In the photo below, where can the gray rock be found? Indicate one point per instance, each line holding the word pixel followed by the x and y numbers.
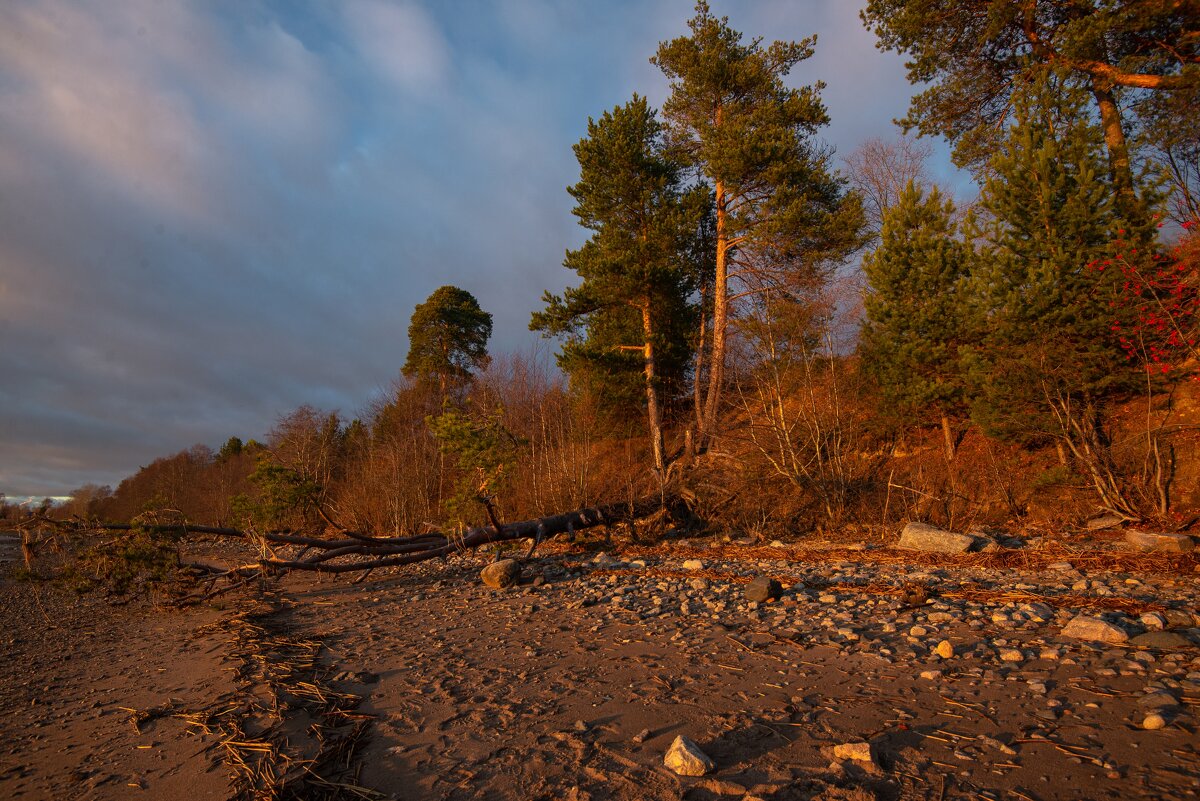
pixel 923 537
pixel 1101 523
pixel 1161 639
pixel 763 589
pixel 1086 627
pixel 685 758
pixel 501 575
pixel 1148 541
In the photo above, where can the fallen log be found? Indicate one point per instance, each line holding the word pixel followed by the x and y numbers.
pixel 348 552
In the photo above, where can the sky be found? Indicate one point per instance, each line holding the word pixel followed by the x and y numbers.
pixel 214 212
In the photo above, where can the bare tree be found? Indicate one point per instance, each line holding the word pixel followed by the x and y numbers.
pixel 880 169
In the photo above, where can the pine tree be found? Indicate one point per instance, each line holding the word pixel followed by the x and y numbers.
pixel 780 211
pixel 447 338
pixel 636 272
pixel 914 309
pixel 1045 359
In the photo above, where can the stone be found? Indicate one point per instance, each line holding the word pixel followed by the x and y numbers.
pixel 642 736
pixel 1086 627
pixel 944 649
pixel 1154 721
pixel 1011 655
pixel 686 759
pixel 1178 618
pixel 923 537
pixel 763 589
pixel 1160 639
pixel 502 574
pixel 931 675
pixel 1101 523
pixel 693 564
pixel 859 752
pixel 1168 542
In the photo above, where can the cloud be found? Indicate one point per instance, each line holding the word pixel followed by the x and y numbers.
pixel 211 214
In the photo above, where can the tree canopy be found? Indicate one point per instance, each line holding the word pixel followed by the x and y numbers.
pixel 780 210
pixel 448 337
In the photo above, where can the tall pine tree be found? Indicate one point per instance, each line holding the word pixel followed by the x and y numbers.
pixel 780 211
pixel 637 271
pixel 914 310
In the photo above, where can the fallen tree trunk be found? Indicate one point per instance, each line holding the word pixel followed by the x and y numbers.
pixel 351 551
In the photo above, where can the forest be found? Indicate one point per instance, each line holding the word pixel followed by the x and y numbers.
pixel 796 340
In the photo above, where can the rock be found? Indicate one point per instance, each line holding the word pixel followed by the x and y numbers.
pixel 642 736
pixel 1101 523
pixel 1157 700
pixel 931 675
pixel 1011 655
pixel 693 564
pixel 763 589
pixel 1178 618
pixel 1155 720
pixel 923 537
pixel 944 649
pixel 1086 627
pixel 685 758
pixel 859 752
pixel 1063 566
pixel 722 787
pixel 1153 621
pixel 501 575
pixel 1161 639
pixel 1148 541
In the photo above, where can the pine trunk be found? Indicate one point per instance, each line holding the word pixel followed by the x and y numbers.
pixel 720 317
pixel 652 410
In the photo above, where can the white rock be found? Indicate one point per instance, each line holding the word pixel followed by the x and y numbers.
pixel 693 564
pixel 1011 655
pixel 685 758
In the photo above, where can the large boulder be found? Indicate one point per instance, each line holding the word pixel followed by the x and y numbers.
pixel 685 758
pixel 763 589
pixel 924 537
pixel 502 574
pixel 1086 627
pixel 1152 541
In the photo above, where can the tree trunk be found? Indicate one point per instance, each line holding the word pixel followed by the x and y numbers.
pixel 1119 167
pixel 948 436
pixel 720 317
pixel 652 410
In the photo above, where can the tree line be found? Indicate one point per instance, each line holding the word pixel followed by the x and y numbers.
pixel 702 340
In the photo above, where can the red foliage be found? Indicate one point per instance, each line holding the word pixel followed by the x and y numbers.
pixel 1157 308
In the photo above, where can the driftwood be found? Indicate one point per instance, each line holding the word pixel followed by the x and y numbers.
pixel 352 551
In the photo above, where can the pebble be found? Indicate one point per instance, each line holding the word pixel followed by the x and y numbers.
pixel 944 649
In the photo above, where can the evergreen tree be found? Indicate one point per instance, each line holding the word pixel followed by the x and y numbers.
pixel 636 272
pixel 914 309
pixel 780 212
pixel 1045 359
pixel 971 55
pixel 447 338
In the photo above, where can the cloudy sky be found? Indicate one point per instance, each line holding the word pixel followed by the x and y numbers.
pixel 213 212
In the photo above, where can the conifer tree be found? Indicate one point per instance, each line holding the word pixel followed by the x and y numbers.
pixel 914 309
pixel 780 211
pixel 1045 359
pixel 636 271
pixel 447 338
